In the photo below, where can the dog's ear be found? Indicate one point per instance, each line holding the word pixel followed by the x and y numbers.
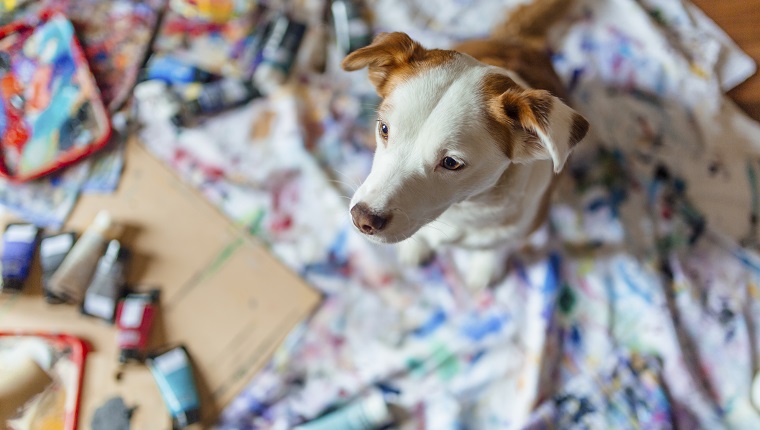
pixel 550 128
pixel 388 53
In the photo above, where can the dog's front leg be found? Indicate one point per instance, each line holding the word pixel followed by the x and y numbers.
pixel 486 266
pixel 415 251
pixel 420 248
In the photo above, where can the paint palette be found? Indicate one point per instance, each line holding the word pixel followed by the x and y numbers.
pixel 51 113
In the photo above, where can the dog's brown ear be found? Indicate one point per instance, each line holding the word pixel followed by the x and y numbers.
pixel 549 128
pixel 387 54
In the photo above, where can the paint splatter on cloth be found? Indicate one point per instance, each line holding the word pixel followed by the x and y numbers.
pixel 637 308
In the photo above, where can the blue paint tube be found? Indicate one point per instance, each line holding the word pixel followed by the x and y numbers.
pixel 19 244
pixel 173 71
pixel 369 413
pixel 53 249
pixel 174 374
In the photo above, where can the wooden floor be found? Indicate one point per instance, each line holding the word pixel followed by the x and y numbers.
pixel 741 20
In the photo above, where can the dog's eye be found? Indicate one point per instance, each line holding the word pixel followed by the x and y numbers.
pixel 383 127
pixel 451 164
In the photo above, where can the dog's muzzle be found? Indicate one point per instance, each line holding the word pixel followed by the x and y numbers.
pixel 367 221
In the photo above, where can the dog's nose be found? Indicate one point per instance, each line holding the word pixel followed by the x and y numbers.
pixel 367 221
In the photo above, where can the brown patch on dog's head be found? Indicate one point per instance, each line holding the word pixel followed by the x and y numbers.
pixel 393 58
pixel 531 124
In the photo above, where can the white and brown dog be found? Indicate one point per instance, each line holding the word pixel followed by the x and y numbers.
pixel 469 142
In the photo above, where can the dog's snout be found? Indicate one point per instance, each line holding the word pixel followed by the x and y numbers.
pixel 367 221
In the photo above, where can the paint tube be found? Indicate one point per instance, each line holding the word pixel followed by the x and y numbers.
pixel 70 281
pixel 107 284
pixel 258 39
pixel 134 318
pixel 214 97
pixel 173 71
pixel 173 372
pixel 53 249
pixel 278 53
pixel 19 244
pixel 369 413
pixel 352 30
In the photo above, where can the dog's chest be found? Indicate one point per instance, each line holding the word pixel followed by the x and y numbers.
pixel 506 212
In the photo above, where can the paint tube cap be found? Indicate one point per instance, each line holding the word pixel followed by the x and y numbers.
pixel 126 355
pixel 102 222
pixel 104 225
pixel 186 418
pixel 12 285
pixel 376 410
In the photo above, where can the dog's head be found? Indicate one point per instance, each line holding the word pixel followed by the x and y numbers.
pixel 447 129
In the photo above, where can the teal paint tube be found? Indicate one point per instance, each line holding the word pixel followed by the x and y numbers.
pixel 368 413
pixel 174 374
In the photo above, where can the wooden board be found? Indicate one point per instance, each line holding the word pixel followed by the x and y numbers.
pixel 223 294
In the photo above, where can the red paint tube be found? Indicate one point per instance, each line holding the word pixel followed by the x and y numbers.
pixel 134 318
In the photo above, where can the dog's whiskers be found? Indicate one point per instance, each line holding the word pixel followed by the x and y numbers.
pixel 350 185
pixel 346 184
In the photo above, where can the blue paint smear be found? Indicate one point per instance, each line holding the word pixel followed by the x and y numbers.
pixel 386 388
pixel 575 336
pixel 596 204
pixel 575 78
pixel 478 328
pixel 477 356
pixel 431 325
pixel 3 122
pixel 337 259
pixel 552 281
pixel 632 286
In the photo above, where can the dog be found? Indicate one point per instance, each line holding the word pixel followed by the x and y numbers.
pixel 469 141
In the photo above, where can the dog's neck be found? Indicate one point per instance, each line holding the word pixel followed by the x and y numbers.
pixel 518 193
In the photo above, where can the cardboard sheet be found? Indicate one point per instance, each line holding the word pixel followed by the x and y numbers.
pixel 223 295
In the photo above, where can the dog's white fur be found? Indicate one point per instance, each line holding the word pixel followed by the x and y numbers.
pixel 492 201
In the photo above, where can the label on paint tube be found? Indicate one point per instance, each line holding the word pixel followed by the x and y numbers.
pixel 100 306
pixel 132 313
pixel 23 233
pixel 56 245
pixel 128 337
pixel 171 361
